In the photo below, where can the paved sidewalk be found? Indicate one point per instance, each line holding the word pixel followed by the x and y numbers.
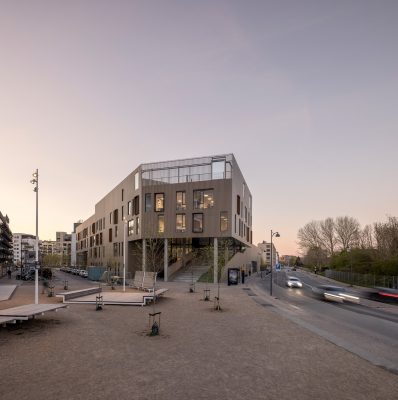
pixel 6 291
pixel 245 351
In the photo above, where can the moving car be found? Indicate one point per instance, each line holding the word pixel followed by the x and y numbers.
pixel 336 294
pixel 293 282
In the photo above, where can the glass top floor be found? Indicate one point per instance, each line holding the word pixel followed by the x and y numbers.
pixel 187 170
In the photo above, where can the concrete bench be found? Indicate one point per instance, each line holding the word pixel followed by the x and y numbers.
pixel 73 294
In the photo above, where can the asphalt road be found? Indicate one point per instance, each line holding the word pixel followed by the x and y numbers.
pixel 369 330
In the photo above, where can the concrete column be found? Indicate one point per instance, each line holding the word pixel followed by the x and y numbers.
pixel 144 254
pixel 215 260
pixel 166 260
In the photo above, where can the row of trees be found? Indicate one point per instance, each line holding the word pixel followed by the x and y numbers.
pixel 341 243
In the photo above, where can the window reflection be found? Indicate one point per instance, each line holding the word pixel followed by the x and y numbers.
pixel 159 202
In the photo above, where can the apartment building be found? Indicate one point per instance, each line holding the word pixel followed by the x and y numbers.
pixel 5 242
pixel 186 204
pixel 265 248
pixel 24 248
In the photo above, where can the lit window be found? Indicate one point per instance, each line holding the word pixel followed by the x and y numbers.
pixel 197 223
pixel 224 221
pixel 159 202
pixel 203 199
pixel 180 201
pixel 160 223
pixel 129 210
pixel 130 226
pixel 180 223
pixel 138 225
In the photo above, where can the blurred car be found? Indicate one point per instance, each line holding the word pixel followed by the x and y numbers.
pixel 385 295
pixel 293 282
pixel 336 294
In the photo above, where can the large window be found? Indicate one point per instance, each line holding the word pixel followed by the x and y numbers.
pixel 160 223
pixel 148 202
pixel 180 201
pixel 197 223
pixel 180 223
pixel 203 199
pixel 224 221
pixel 159 202
pixel 130 226
pixel 136 181
pixel 218 169
pixel 129 209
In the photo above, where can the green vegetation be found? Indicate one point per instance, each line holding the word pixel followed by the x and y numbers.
pixel 340 244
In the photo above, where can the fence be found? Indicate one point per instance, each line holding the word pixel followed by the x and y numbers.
pixel 368 280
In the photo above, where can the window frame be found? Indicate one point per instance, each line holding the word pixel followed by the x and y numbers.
pixel 193 223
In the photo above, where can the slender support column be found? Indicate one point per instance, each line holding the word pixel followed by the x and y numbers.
pixel 144 254
pixel 166 260
pixel 215 260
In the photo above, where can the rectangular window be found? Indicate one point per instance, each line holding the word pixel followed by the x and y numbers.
pixel 122 194
pixel 197 223
pixel 103 223
pixel 110 235
pixel 148 202
pixel 223 221
pixel 203 199
pixel 130 226
pixel 116 216
pixel 136 205
pixel 180 201
pixel 129 210
pixel 115 249
pixel 122 212
pixel 138 225
pixel 159 202
pixel 116 231
pixel 238 204
pixel 180 223
pixel 110 217
pixel 136 181
pixel 245 214
pixel 218 169
pixel 160 223
pixel 235 223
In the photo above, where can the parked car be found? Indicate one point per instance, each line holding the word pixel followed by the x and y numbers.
pixel 293 282
pixel 336 294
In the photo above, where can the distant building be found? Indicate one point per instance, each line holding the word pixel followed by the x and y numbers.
pixel 5 243
pixel 265 247
pixel 24 248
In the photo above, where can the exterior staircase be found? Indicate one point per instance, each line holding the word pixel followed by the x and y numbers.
pixel 190 273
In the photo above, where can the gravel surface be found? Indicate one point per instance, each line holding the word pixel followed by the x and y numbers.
pixel 245 351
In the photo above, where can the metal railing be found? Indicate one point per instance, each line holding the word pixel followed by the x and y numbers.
pixel 367 280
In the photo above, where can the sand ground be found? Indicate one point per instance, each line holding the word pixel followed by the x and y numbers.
pixel 246 351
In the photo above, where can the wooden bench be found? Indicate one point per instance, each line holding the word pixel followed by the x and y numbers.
pixel 138 279
pixel 150 296
pixel 73 294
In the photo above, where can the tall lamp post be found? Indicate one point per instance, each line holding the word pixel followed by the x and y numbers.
pixel 276 234
pixel 35 181
pixel 124 252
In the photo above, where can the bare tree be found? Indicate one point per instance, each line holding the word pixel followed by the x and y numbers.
pixel 310 235
pixel 386 236
pixel 366 237
pixel 347 229
pixel 328 234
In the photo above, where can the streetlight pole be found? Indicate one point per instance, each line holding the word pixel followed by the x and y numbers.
pixel 276 234
pixel 124 253
pixel 35 181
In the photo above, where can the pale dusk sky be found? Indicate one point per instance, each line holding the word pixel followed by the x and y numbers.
pixel 304 93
